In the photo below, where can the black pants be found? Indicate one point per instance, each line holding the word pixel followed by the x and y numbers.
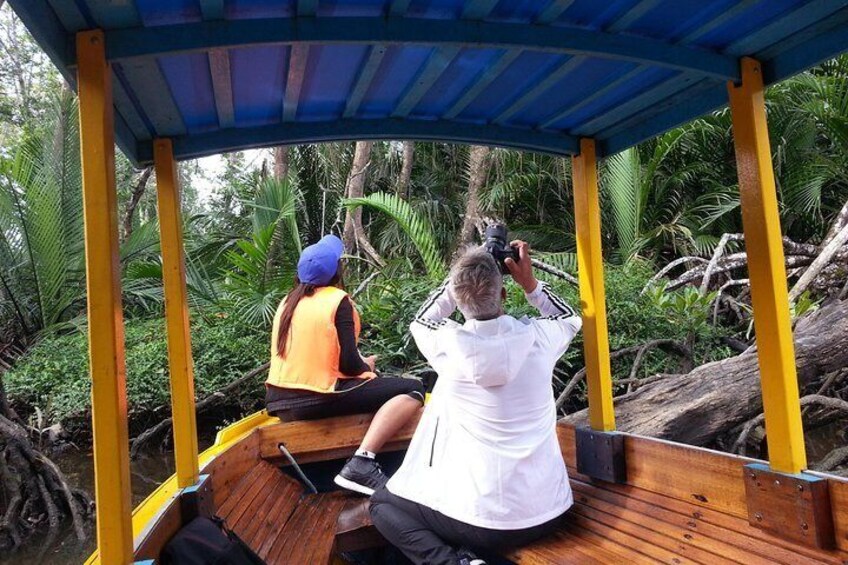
pixel 427 536
pixel 352 397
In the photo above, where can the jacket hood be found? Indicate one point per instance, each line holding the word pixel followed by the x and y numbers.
pixel 490 352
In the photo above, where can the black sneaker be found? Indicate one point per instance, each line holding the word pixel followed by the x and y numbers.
pixel 466 557
pixel 361 474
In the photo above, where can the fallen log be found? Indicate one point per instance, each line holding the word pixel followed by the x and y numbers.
pixel 706 403
pixel 161 428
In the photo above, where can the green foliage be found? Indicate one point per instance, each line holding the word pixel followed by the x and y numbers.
pixel 685 307
pixel 260 270
pixel 54 374
pixel 418 229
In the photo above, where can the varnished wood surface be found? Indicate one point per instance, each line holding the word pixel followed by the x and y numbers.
pixel 709 483
pixel 680 505
pixel 323 440
pixel 269 511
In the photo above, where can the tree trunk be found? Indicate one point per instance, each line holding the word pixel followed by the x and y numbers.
pixel 406 169
pixel 354 234
pixel 838 223
pixel 478 169
pixel 715 398
pixel 137 193
pixel 281 162
pixel 828 252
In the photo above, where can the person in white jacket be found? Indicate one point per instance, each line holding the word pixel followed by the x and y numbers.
pixel 484 471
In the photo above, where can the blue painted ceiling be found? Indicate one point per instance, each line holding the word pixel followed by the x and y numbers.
pixel 219 75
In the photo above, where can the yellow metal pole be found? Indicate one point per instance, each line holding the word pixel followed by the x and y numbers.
pixel 587 215
pixel 180 361
pixel 767 272
pixel 105 318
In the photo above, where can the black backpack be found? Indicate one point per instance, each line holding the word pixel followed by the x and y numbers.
pixel 207 541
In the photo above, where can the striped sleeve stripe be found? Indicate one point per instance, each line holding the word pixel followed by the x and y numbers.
pixel 558 302
pixel 430 324
pixel 558 317
pixel 430 301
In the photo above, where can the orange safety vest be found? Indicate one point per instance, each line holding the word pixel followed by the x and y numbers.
pixel 312 354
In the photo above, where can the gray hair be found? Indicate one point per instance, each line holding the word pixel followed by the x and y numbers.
pixel 476 283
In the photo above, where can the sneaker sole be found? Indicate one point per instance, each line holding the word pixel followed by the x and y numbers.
pixel 350 485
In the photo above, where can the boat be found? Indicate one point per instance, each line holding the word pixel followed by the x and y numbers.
pixel 179 79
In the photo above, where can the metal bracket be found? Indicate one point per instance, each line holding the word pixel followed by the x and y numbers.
pixel 600 455
pixel 795 507
pixel 196 500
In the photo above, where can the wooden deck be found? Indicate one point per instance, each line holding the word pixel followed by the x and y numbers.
pixel 680 505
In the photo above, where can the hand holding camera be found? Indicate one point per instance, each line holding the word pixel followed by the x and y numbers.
pixel 522 270
pixel 514 259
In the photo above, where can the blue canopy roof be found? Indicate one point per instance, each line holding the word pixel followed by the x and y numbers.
pixel 220 75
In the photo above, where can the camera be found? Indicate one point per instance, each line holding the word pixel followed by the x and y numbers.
pixel 497 245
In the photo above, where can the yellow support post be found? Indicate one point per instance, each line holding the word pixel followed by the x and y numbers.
pixel 180 362
pixel 105 318
pixel 587 215
pixel 767 272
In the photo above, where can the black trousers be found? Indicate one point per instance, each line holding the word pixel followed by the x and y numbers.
pixel 427 536
pixel 352 397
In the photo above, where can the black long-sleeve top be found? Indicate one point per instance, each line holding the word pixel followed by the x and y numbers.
pixel 351 363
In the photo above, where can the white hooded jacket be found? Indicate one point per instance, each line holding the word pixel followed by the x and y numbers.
pixel 486 451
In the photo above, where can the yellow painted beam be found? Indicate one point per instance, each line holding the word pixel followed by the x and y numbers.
pixel 105 318
pixel 767 271
pixel 587 215
pixel 180 362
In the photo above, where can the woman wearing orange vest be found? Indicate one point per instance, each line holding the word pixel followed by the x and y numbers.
pixel 317 370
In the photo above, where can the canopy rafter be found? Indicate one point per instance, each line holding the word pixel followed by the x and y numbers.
pixel 294 133
pixel 144 42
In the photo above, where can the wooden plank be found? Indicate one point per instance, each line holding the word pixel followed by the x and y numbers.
pixel 732 529
pixel 278 517
pixel 250 503
pixel 286 492
pixel 316 514
pixel 695 475
pixel 565 547
pixel 166 525
pixel 228 468
pixel 647 525
pixel 839 505
pixel 323 440
pixel 708 483
pixel 795 507
pixel 699 524
pixel 244 487
pixel 607 535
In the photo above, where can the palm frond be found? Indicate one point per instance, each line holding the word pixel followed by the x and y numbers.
pixel 419 230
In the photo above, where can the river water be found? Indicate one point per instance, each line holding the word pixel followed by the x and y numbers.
pixel 148 472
